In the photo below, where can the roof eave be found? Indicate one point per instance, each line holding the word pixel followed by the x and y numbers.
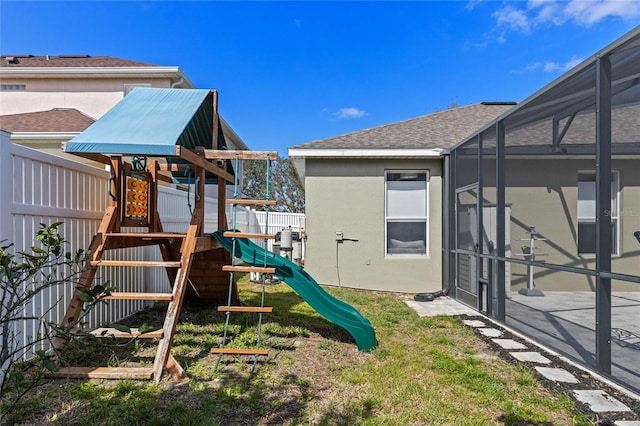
pixel 42 135
pixel 430 153
pixel 174 73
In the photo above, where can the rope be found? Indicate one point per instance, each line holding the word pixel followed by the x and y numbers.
pixel 187 174
pixel 139 165
pixel 234 260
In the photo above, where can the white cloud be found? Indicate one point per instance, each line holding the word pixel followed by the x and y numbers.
pixel 537 13
pixel 512 19
pixel 552 66
pixel 350 112
pixel 588 13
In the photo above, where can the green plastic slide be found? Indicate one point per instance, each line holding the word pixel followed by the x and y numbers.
pixel 336 311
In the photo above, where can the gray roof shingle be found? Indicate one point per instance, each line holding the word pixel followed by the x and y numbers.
pixel 71 61
pixel 57 120
pixel 442 129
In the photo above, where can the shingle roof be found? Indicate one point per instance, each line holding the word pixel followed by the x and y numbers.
pixel 58 120
pixel 71 61
pixel 442 129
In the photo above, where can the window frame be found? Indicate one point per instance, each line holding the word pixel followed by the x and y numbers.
pixel 615 215
pixel 13 87
pixel 388 218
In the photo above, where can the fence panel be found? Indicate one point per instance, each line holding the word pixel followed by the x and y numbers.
pixel 36 187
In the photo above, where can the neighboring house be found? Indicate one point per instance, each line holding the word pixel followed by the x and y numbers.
pixel 92 85
pixel 374 200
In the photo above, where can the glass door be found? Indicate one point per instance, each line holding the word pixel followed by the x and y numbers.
pixel 467 244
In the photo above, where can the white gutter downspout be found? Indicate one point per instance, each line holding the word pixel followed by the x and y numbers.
pixel 177 83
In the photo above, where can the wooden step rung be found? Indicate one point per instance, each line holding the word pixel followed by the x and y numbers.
pixel 258 309
pixel 135 332
pixel 231 234
pixel 247 202
pixel 229 351
pixel 138 296
pixel 145 235
pixel 140 373
pixel 232 268
pixel 138 263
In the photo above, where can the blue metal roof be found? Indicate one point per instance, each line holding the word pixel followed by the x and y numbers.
pixel 150 122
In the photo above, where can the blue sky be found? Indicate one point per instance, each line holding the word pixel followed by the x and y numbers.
pixel 294 72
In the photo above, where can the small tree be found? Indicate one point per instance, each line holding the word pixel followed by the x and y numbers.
pixel 284 184
pixel 23 277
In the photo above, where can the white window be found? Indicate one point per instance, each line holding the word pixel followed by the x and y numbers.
pixel 12 87
pixel 406 212
pixel 587 212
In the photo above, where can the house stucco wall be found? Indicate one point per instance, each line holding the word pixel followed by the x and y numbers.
pixel 92 96
pixel 544 193
pixel 348 195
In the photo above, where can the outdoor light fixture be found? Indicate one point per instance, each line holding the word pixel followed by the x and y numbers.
pixel 637 235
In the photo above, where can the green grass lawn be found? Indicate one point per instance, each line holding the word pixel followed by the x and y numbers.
pixel 425 371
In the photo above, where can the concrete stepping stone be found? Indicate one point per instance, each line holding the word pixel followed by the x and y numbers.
pixel 536 357
pixel 557 374
pixel 627 423
pixel 490 332
pixel 509 344
pixel 474 323
pixel 600 401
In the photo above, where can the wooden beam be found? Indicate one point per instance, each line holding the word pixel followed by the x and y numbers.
pixel 248 202
pixel 103 373
pixel 179 286
pixel 233 268
pixel 194 159
pixel 176 370
pixel 137 263
pixel 217 154
pixel 240 351
pixel 98 158
pixel 139 296
pixel 253 309
pixel 135 333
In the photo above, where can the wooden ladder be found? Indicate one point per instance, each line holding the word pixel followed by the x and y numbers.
pixel 110 237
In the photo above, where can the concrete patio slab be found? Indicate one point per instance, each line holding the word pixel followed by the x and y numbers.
pixel 599 401
pixel 557 374
pixel 536 357
pixel 509 344
pixel 474 323
pixel 440 306
pixel 490 332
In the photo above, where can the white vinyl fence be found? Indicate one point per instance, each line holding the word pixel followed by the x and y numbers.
pixel 36 187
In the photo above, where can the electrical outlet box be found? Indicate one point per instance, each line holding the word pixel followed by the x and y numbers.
pixel 339 236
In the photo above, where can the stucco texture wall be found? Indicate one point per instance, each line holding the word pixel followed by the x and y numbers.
pixel 349 196
pixel 93 97
pixel 545 194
